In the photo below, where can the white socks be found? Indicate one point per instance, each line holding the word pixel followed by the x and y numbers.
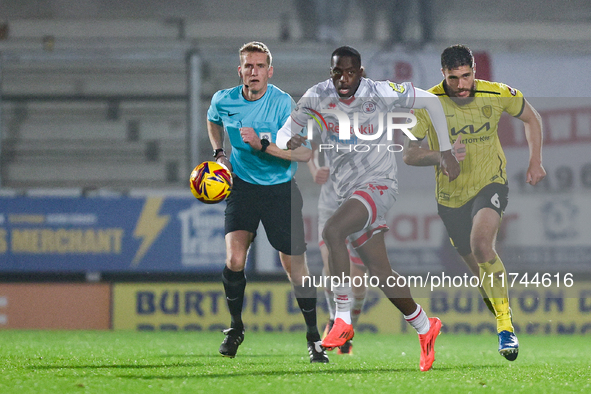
pixel 343 296
pixel 419 320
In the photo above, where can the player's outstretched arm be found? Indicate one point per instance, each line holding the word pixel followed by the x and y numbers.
pixel 289 133
pixel 251 137
pixel 449 164
pixel 301 154
pixel 289 143
pixel 533 133
pixel 216 137
pixel 431 103
pixel 415 155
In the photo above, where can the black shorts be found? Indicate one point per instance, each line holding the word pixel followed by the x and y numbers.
pixel 278 207
pixel 458 221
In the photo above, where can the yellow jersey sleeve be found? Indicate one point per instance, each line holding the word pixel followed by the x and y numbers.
pixel 423 123
pixel 514 101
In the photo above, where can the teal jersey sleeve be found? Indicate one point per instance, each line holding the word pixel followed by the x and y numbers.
pixel 212 113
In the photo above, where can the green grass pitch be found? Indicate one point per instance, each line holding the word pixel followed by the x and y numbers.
pixel 181 362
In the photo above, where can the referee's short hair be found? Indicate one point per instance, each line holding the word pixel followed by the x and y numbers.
pixel 256 46
pixel 456 56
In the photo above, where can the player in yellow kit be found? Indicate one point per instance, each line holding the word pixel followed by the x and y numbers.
pixel 472 205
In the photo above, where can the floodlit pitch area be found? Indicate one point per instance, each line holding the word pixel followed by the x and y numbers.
pixel 181 362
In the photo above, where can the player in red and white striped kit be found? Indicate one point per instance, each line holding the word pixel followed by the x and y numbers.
pixel 352 112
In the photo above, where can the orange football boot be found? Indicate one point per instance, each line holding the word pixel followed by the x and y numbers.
pixel 340 333
pixel 427 342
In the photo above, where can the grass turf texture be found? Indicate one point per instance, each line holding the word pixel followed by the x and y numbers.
pixel 144 362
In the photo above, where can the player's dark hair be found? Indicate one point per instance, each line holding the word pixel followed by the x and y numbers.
pixel 256 46
pixel 347 51
pixel 456 56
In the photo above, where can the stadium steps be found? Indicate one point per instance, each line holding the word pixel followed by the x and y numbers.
pixel 54 152
pixel 88 175
pixel 130 56
pixel 55 128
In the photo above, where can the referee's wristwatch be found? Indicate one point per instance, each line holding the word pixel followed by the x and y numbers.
pixel 264 144
pixel 216 152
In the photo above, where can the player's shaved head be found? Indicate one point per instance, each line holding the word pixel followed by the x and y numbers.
pixel 347 51
pixel 457 56
pixel 256 46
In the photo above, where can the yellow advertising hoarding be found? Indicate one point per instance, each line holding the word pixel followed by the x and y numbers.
pixel 271 307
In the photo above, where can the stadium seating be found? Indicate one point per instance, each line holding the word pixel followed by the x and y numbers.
pixel 78 92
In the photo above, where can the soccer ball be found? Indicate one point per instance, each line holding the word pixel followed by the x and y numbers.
pixel 211 182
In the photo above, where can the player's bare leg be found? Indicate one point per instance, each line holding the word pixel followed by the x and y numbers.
pixel 359 294
pixel 375 256
pixel 350 217
pixel 234 280
pixel 296 268
pixel 485 226
pixel 237 244
pixel 328 294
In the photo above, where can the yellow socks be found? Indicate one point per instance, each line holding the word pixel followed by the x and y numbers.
pixel 486 300
pixel 496 287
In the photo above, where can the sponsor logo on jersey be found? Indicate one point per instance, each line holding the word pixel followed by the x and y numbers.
pixel 470 129
pixel 397 87
pixel 369 107
pixel 511 90
pixel 317 117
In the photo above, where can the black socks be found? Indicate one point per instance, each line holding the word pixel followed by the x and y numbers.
pixel 306 298
pixel 234 285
